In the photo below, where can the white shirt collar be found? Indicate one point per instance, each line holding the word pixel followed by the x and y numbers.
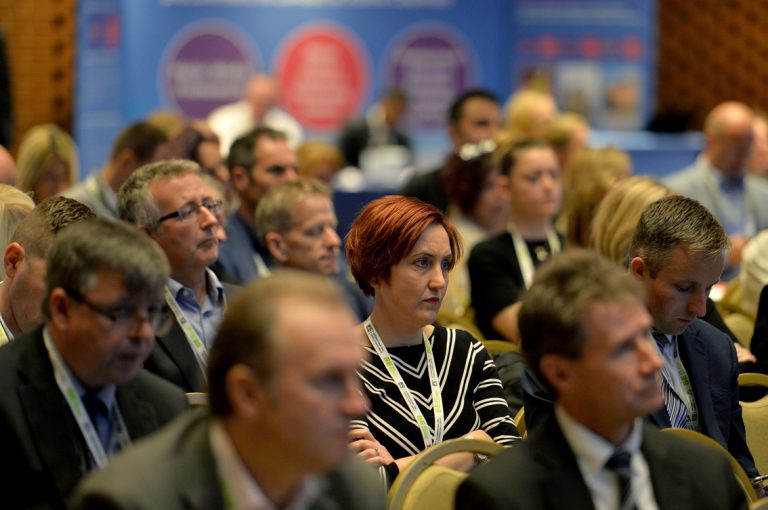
pixel 239 488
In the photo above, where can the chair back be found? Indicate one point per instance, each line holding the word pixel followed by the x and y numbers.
pixel 495 347
pixel 520 423
pixel 423 485
pixel 197 399
pixel 755 415
pixel 738 471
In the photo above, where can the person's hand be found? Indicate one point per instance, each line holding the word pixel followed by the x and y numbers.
pixel 362 442
pixel 743 355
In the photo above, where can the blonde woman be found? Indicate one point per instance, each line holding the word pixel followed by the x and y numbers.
pixel 48 162
pixel 590 174
pixel 617 215
pixel 527 115
pixel 14 207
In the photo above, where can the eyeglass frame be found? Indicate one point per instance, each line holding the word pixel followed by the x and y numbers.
pixel 121 314
pixel 191 209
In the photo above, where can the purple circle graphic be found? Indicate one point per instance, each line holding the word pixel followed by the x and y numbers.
pixel 431 65
pixel 206 69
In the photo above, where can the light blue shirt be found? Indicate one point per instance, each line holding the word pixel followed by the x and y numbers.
pixel 205 319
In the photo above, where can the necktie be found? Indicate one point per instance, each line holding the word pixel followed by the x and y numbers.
pixel 676 408
pixel 99 415
pixel 619 464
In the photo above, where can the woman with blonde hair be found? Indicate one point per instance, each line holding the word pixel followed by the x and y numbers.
pixel 590 174
pixel 14 207
pixel 528 113
pixel 619 212
pixel 48 162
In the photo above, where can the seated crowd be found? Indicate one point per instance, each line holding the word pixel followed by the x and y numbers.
pixel 203 267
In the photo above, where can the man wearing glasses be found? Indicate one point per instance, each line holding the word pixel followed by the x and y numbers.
pixel 73 392
pixel 171 203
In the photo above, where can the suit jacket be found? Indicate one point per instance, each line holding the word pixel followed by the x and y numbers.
pixel 175 469
pixel 173 359
pixel 43 452
pixel 355 137
pixel 709 359
pixel 693 181
pixel 429 188
pixel 236 255
pixel 542 473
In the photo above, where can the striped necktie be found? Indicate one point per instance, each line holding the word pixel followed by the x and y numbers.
pixel 676 408
pixel 619 463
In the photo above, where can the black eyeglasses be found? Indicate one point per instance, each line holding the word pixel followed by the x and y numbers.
pixel 124 315
pixel 193 210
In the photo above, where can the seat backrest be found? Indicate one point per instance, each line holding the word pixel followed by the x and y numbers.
pixel 520 423
pixel 738 471
pixel 425 486
pixel 755 416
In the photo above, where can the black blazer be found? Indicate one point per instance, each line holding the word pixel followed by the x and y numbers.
pixel 43 454
pixel 542 473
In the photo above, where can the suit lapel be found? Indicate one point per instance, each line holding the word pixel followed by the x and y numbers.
pixel 177 348
pixel 139 416
pixel 52 427
pixel 693 354
pixel 555 455
pixel 669 487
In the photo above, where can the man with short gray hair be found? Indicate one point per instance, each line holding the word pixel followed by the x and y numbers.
pixel 172 204
pixel 297 223
pixel 73 392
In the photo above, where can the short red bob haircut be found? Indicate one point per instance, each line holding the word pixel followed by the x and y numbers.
pixel 385 232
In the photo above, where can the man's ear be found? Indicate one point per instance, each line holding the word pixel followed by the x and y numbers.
pixel 245 392
pixel 13 258
pixel 239 177
pixel 557 372
pixel 276 246
pixel 58 308
pixel 639 268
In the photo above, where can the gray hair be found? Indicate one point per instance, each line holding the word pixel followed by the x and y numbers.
pixel 676 221
pixel 100 244
pixel 135 203
pixel 275 210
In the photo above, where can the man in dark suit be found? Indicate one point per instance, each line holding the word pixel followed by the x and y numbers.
pixel 585 333
pixel 283 389
pixel 73 392
pixel 677 254
pixel 473 117
pixel 170 202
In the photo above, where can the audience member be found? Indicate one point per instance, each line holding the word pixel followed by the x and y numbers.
pixel 473 117
pixel 479 209
pixel 380 127
pixel 297 224
pixel 585 332
pixel 501 268
pixel 567 133
pixel 677 254
pixel 136 145
pixel 718 178
pixel 73 391
pixel 7 167
pixel 23 287
pixel 171 203
pixel 400 251
pixel 757 164
pixel 257 161
pixel 257 108
pixel 528 114
pixel 14 207
pixel 319 160
pixel 283 389
pixel 591 173
pixel 48 162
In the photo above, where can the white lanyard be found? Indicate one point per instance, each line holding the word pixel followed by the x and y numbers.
pixel 197 345
pixel 87 428
pixel 524 255
pixel 5 333
pixel 434 383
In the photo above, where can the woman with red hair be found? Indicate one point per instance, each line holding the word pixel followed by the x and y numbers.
pixel 425 383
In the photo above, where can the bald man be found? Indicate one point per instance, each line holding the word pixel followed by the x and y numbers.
pixel 718 178
pixel 258 107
